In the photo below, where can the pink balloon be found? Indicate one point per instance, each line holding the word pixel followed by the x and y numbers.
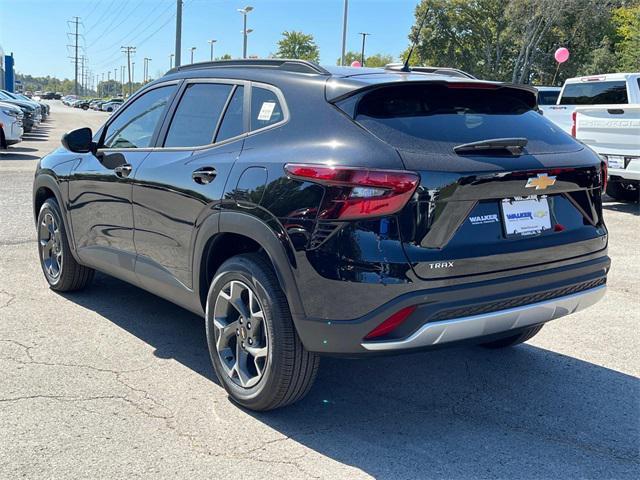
pixel 356 63
pixel 561 55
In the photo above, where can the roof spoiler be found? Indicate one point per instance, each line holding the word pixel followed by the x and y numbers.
pixel 289 65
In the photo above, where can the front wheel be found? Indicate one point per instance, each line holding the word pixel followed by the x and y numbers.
pixel 253 344
pixel 62 271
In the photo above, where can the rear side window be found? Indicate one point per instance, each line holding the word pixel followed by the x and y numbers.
pixel 265 108
pixel 196 118
pixel 594 93
pixel 435 118
pixel 548 97
pixel 233 122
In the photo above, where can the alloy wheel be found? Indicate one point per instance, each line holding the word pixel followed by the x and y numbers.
pixel 241 335
pixel 50 242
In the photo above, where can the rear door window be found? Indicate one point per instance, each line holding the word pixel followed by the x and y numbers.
pixel 233 121
pixel 196 118
pixel 594 93
pixel 265 108
pixel 435 118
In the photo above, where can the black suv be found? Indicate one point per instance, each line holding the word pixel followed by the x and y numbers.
pixel 305 211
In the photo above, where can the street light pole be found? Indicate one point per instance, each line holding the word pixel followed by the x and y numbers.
pixel 178 31
pixel 171 61
pixel 212 42
pixel 344 31
pixel 244 11
pixel 192 50
pixel 364 37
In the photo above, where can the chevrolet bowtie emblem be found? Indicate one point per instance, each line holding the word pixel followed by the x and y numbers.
pixel 541 182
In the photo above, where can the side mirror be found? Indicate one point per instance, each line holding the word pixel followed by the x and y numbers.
pixel 79 141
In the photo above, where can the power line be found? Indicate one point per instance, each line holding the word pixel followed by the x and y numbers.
pixel 129 51
pixel 104 14
pixel 75 22
pixel 95 6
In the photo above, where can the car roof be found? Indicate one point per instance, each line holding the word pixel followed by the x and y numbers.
pixel 603 77
pixel 544 88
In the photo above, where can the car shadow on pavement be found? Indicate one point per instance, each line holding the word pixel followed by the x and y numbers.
pixel 454 413
pixel 631 207
pixel 15 154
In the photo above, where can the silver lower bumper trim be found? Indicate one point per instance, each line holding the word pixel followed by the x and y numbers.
pixel 464 328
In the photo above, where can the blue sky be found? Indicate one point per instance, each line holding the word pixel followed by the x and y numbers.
pixel 36 30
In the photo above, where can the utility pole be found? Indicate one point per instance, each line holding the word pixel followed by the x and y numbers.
pixel 193 49
pixel 171 60
pixel 122 80
pixel 129 51
pixel 75 22
pixel 344 31
pixel 364 38
pixel 133 72
pixel 178 31
pixel 82 86
pixel 109 82
pixel 212 42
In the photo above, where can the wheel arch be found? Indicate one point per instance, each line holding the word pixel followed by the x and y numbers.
pixel 244 233
pixel 44 187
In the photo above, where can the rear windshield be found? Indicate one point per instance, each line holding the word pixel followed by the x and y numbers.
pixel 548 97
pixel 437 118
pixel 594 93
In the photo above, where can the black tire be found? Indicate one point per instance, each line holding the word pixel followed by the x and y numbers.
pixel 70 274
pixel 289 370
pixel 623 191
pixel 3 141
pixel 521 337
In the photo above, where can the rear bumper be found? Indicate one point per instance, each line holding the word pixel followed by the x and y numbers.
pixel 460 313
pixel 478 326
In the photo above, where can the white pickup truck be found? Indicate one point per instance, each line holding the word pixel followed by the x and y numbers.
pixel 613 131
pixel 608 89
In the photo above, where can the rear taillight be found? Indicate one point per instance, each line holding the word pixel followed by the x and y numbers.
pixel 391 323
pixel 604 171
pixel 356 193
pixel 573 124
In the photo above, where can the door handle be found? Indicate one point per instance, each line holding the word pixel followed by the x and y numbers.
pixel 123 171
pixel 204 175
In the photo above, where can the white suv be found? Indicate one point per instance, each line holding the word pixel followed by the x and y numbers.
pixel 10 125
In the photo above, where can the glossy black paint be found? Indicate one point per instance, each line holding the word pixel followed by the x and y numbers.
pixel 164 218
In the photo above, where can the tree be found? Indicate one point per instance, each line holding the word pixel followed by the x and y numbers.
pixel 298 45
pixel 226 56
pixel 375 60
pixel 627 49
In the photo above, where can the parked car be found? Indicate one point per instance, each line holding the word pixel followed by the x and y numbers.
pixel 609 89
pixel 94 104
pixel 111 105
pixel 613 131
pixel 547 96
pixel 44 108
pixel 11 129
pixel 31 112
pixel 306 211
pixel 68 99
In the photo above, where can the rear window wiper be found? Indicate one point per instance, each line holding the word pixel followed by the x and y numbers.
pixel 512 145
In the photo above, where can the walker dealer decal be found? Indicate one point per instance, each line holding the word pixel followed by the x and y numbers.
pixel 482 219
pixel 526 216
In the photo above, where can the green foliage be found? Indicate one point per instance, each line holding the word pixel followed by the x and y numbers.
pixel 375 60
pixel 514 40
pixel 627 47
pixel 226 56
pixel 298 45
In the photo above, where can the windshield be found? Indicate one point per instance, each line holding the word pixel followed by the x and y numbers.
pixel 548 97
pixel 435 118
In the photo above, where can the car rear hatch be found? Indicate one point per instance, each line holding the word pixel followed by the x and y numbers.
pixel 501 188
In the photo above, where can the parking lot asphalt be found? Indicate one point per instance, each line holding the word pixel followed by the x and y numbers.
pixel 113 382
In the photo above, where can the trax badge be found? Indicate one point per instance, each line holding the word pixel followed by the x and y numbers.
pixel 446 264
pixel 541 182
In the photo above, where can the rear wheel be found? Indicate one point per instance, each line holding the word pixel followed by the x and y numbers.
pixel 254 347
pixel 623 191
pixel 521 337
pixel 3 140
pixel 60 269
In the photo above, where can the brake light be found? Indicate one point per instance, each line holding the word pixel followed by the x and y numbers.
pixel 391 323
pixel 573 123
pixel 604 171
pixel 356 193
